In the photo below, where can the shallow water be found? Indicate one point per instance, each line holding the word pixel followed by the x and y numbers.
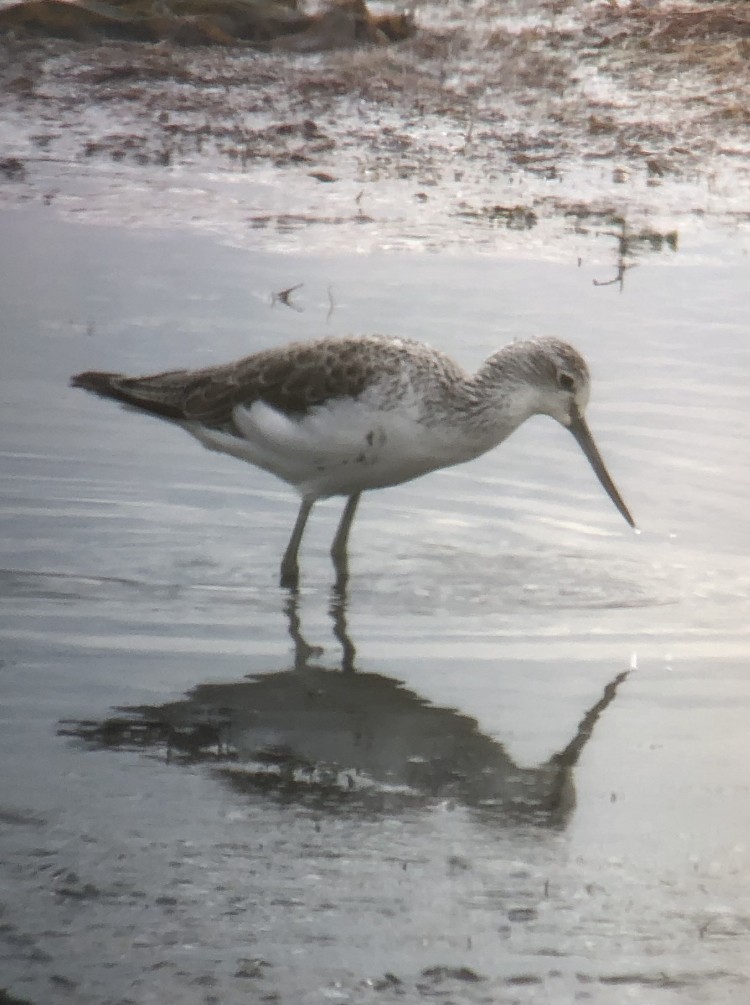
pixel 197 807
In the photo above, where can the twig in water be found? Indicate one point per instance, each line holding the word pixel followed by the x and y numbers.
pixel 331 305
pixel 283 296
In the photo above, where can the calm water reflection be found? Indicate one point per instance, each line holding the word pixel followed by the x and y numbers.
pixel 390 756
pixel 348 740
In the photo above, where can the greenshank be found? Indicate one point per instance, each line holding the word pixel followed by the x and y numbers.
pixel 338 416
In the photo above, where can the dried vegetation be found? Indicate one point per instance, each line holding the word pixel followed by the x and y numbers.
pixel 537 89
pixel 265 23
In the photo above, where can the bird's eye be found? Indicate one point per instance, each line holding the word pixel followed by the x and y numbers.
pixel 566 382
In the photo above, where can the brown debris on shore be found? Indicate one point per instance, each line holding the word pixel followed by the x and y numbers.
pixel 680 22
pixel 492 125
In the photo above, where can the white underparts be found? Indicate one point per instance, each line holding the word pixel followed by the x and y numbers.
pixel 345 446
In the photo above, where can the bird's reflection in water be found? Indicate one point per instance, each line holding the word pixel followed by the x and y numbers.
pixel 348 740
pixel 303 652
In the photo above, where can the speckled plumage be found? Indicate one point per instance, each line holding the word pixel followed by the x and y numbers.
pixel 340 416
pixel 293 378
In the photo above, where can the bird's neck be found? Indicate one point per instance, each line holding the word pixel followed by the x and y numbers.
pixel 497 402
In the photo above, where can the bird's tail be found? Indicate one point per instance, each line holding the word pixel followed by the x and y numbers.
pixel 139 392
pixel 97 382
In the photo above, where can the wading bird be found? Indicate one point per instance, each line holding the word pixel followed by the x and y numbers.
pixel 338 416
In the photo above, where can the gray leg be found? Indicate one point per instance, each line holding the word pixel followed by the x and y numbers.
pixel 289 564
pixel 338 548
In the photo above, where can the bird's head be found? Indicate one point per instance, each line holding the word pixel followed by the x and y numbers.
pixel 557 383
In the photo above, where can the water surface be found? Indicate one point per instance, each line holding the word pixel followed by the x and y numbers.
pixel 532 787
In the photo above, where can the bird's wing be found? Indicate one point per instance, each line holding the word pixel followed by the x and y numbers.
pixel 292 379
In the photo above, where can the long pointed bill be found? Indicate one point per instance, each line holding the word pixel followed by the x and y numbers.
pixel 585 441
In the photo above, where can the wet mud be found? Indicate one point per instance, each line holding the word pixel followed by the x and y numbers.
pixel 497 118
pixel 266 24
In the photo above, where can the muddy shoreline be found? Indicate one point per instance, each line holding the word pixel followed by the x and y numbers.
pixel 541 119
